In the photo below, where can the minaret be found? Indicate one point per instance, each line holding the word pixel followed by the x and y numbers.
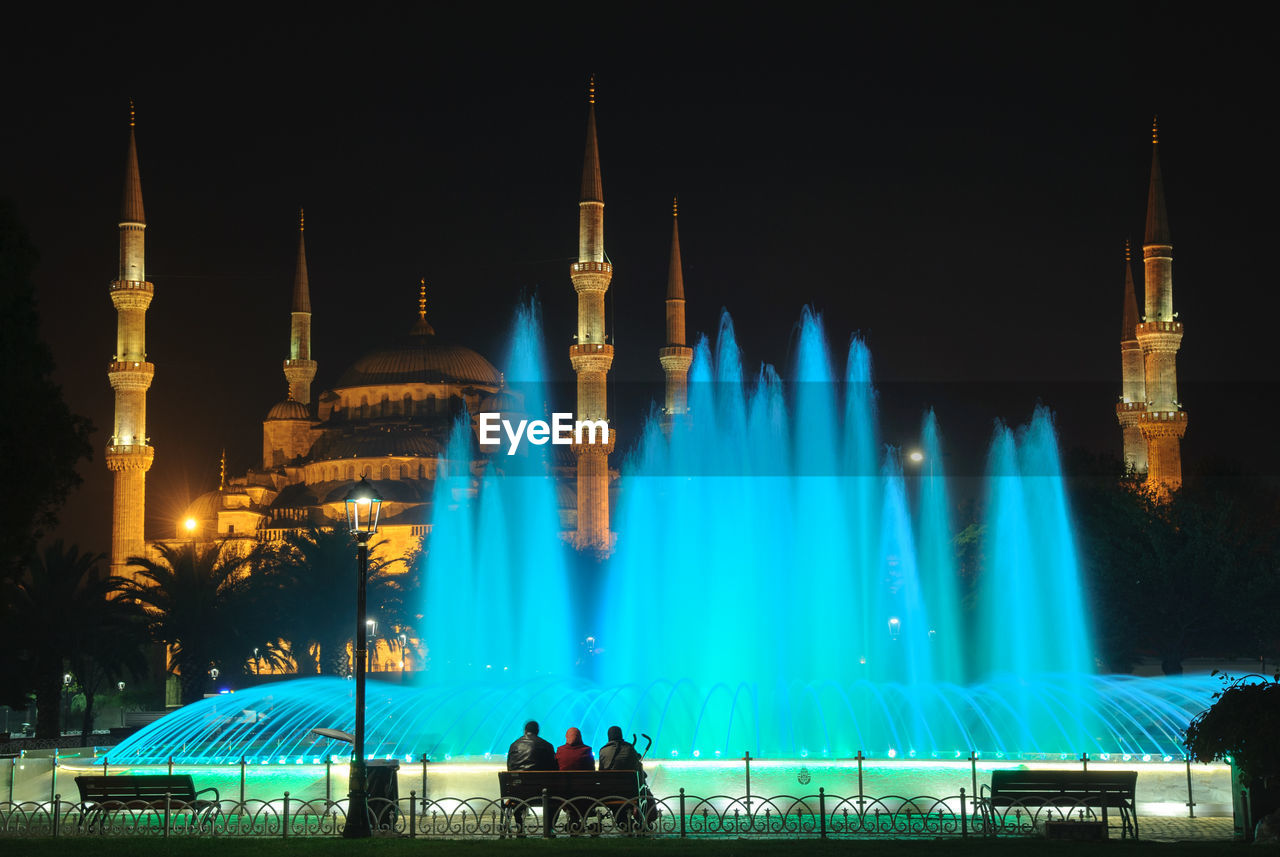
pixel 300 369
pixel 591 355
pixel 129 452
pixel 1163 422
pixel 286 432
pixel 677 356
pixel 1133 390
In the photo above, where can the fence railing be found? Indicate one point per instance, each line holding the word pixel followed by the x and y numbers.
pixel 682 815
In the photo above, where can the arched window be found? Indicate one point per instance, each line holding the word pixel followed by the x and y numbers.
pixel 422 471
pixel 364 407
pixel 408 405
pixel 386 472
pixel 351 473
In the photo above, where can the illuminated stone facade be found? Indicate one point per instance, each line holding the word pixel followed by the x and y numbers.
pixel 129 452
pixel 676 356
pixel 1163 421
pixel 592 354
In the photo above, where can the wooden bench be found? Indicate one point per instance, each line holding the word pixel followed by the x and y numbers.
pixel 100 795
pixel 578 792
pixel 1063 791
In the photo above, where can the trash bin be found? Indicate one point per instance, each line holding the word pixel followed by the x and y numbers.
pixel 383 790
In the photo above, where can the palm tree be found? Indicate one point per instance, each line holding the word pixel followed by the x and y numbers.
pixel 316 567
pixel 66 612
pixel 201 604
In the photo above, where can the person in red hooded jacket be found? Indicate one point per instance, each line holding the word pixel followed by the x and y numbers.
pixel 573 755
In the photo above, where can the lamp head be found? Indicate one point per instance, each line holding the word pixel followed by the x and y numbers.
pixel 363 505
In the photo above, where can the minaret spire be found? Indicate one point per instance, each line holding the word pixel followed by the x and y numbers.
pixel 591 356
pixel 1157 213
pixel 131 210
pixel 299 368
pixel 676 357
pixel 1133 395
pixel 422 327
pixel 1163 422
pixel 129 451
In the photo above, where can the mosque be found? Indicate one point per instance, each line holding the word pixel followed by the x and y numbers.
pixel 386 418
pixel 389 414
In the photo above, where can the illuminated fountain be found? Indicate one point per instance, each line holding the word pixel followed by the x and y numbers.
pixel 779 586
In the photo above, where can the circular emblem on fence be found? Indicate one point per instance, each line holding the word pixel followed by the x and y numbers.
pixel 803 776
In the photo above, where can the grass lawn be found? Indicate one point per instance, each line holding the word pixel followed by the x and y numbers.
pixel 138 847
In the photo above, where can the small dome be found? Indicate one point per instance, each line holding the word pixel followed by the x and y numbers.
pixel 205 507
pixel 502 402
pixel 289 410
pixel 422 359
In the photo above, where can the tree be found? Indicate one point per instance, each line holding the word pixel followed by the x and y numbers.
pixel 1189 574
pixel 317 568
pixel 66 612
pixel 45 443
pixel 1241 724
pixel 201 603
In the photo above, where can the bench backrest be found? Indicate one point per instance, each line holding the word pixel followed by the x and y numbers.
pixel 526 785
pixel 1087 786
pixel 142 787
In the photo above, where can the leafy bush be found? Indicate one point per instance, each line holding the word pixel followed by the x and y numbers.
pixel 1244 724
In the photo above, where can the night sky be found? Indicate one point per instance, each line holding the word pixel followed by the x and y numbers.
pixel 956 186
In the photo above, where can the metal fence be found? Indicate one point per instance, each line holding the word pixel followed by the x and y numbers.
pixel 683 815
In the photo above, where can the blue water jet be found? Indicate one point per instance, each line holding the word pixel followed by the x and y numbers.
pixel 781 584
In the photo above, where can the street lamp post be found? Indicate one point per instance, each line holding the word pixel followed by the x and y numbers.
pixel 66 702
pixel 363 504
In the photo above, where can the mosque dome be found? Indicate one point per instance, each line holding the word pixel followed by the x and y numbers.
pixel 205 507
pixel 377 444
pixel 503 401
pixel 289 410
pixel 421 359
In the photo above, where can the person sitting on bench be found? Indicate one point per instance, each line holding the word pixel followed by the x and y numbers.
pixel 529 753
pixel 620 755
pixel 573 755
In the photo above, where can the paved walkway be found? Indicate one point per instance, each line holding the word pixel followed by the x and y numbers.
pixel 1172 829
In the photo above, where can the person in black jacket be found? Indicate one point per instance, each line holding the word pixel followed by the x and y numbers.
pixel 529 753
pixel 620 755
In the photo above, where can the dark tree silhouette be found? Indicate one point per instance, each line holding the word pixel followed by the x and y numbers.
pixel 1192 574
pixel 42 440
pixel 201 602
pixel 67 613
pixel 316 569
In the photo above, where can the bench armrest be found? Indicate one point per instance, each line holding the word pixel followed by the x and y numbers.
pixel 217 798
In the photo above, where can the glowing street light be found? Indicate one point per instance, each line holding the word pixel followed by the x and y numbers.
pixel 363 505
pixel 916 456
pixel 895 627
